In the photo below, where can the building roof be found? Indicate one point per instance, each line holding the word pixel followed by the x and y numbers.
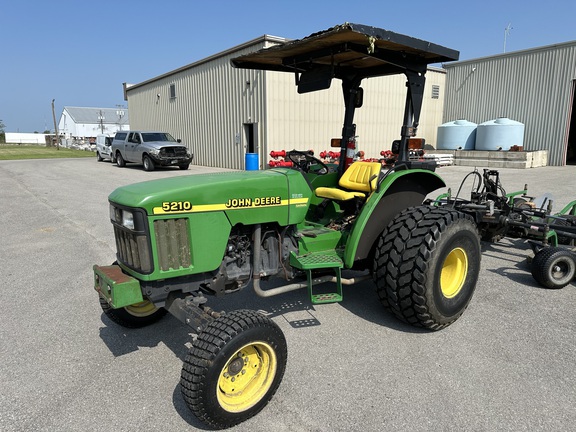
pixel 89 115
pixel 511 54
pixel 257 41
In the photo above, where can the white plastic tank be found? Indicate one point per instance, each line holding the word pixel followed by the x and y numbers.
pixel 499 134
pixel 456 135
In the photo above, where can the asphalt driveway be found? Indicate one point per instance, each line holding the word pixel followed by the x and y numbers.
pixel 507 365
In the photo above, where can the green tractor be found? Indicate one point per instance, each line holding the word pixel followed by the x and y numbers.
pixel 183 240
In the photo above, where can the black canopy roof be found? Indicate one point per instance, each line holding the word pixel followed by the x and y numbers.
pixel 364 50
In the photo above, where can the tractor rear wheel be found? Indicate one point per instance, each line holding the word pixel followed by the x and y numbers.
pixel 233 368
pixel 554 267
pixel 426 266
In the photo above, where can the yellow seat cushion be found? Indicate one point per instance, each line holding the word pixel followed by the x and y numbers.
pixel 337 194
pixel 357 181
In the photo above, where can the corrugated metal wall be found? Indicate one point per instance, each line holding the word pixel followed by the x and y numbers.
pixel 309 121
pixel 214 103
pixel 532 86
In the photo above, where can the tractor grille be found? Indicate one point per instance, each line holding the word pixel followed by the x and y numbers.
pixel 133 250
pixel 173 152
pixel 172 243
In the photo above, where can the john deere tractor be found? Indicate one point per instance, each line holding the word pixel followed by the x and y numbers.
pixel 181 241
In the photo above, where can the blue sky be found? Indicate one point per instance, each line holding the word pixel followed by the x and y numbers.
pixel 80 52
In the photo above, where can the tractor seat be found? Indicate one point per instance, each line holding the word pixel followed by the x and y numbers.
pixel 358 181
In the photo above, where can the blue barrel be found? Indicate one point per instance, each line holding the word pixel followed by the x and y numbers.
pixel 252 163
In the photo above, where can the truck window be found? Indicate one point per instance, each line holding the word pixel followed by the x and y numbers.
pixel 157 136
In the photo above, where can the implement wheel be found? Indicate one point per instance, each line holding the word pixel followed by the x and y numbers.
pixel 233 368
pixel 133 316
pixel 554 267
pixel 426 266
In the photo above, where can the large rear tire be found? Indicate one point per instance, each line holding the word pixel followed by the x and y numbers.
pixel 426 266
pixel 554 267
pixel 233 368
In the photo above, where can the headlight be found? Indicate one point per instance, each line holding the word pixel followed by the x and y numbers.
pixel 154 151
pixel 128 219
pixel 112 213
pixel 122 217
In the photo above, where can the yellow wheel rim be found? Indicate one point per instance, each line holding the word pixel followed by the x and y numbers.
pixel 246 377
pixel 454 271
pixel 142 309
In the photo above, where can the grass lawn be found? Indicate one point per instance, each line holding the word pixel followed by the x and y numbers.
pixel 14 152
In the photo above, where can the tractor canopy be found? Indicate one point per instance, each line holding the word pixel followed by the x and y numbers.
pixel 352 52
pixel 349 49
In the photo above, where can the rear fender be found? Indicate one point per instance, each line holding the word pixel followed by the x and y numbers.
pixel 398 191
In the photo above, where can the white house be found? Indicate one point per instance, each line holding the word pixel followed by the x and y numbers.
pixel 85 122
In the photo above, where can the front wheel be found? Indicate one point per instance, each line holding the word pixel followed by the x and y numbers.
pixel 184 167
pixel 554 267
pixel 99 157
pixel 426 266
pixel 148 164
pixel 120 160
pixel 233 368
pixel 133 316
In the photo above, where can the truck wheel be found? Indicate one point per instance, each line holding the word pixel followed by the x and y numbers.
pixel 554 267
pixel 233 368
pixel 148 164
pixel 426 266
pixel 120 160
pixel 184 167
pixel 134 316
pixel 98 157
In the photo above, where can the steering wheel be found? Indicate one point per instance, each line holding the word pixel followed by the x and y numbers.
pixel 307 163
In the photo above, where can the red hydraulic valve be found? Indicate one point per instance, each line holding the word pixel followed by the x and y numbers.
pixel 276 154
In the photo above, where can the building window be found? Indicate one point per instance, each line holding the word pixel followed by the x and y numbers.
pixel 435 92
pixel 172 91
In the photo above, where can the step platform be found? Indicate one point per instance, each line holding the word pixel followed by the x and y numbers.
pixel 320 260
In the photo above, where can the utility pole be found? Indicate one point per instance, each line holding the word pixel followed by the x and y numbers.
pixel 55 126
pixel 101 119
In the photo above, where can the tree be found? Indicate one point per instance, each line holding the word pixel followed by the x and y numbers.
pixel 2 132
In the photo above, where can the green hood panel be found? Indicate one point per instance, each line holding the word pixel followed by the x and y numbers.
pixel 275 195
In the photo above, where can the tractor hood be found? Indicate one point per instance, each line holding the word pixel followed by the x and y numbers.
pixel 274 195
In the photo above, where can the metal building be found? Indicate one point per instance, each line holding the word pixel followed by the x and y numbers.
pixel 535 87
pixel 222 113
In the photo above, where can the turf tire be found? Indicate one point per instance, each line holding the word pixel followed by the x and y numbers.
pixel 133 316
pixel 209 367
pixel 554 267
pixel 411 266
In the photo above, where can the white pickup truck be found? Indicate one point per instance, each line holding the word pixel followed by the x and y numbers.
pixel 150 149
